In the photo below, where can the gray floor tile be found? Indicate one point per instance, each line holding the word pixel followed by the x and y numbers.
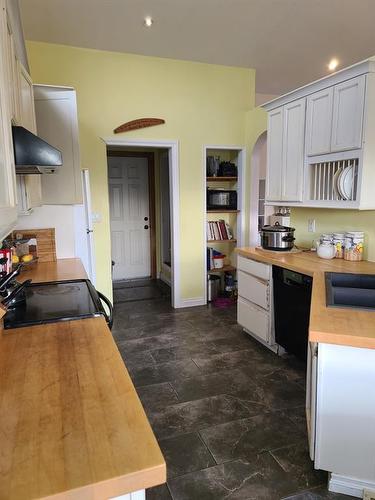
pixel 222 382
pixel 275 391
pixel 157 397
pixel 258 479
pixel 295 459
pixel 165 372
pixel 255 363
pixel 135 360
pixel 158 493
pixel 195 415
pixel 243 438
pixel 320 493
pixel 185 453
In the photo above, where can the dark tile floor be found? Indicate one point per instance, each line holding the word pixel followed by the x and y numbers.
pixel 228 413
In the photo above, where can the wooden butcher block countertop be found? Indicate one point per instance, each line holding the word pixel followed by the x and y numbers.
pixel 71 423
pixel 59 270
pixel 343 326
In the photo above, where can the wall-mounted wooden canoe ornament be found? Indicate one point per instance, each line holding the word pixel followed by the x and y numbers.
pixel 140 123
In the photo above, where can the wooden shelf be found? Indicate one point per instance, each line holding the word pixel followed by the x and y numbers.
pixel 221 179
pixel 223 211
pixel 224 269
pixel 222 241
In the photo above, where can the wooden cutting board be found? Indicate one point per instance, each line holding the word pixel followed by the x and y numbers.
pixel 46 244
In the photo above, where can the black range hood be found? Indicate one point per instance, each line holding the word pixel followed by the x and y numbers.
pixel 32 154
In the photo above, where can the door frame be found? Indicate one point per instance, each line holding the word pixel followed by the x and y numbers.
pixel 151 197
pixel 174 191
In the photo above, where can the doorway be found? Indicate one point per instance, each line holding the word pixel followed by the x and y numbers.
pixel 142 196
pixel 259 212
pixel 131 189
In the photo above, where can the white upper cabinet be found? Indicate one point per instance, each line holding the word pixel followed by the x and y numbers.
pixel 57 123
pixel 348 108
pixel 293 151
pixel 319 122
pixel 8 208
pixel 274 154
pixel 26 99
pixel 285 152
pixel 29 187
pixel 321 147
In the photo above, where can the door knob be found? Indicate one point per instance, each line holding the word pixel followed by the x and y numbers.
pixel 145 218
pixel 146 226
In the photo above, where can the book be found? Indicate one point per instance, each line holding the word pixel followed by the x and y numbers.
pixel 218 230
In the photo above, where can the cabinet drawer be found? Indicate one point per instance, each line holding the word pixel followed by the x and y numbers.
pixel 258 269
pixel 253 289
pixel 253 318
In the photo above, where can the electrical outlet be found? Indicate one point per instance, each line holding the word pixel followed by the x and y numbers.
pixel 311 225
pixel 368 495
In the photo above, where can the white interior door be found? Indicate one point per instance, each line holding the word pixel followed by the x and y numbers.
pixel 129 214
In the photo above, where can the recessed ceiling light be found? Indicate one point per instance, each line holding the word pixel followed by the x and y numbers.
pixel 148 21
pixel 333 63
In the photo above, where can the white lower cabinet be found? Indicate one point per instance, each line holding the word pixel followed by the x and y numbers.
pixel 255 319
pixel 254 306
pixel 254 290
pixel 344 418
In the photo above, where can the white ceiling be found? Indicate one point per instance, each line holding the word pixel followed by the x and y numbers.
pixel 288 42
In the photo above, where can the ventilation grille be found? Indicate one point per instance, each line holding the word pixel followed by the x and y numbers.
pixel 334 180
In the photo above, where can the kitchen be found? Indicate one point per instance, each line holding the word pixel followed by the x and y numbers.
pixel 227 412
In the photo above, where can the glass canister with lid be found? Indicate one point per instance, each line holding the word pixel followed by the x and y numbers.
pixel 339 242
pixel 353 245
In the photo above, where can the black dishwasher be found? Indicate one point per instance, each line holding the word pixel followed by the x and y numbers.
pixel 292 298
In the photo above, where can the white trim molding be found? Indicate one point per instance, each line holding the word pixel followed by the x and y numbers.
pixel 174 187
pixel 193 302
pixel 349 485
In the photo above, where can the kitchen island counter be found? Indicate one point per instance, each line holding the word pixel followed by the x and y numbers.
pixel 343 326
pixel 71 423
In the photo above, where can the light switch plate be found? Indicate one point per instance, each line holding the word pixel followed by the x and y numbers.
pixel 96 217
pixel 368 495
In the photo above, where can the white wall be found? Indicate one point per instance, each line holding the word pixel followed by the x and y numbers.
pixel 60 217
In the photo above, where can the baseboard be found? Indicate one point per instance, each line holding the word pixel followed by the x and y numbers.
pixel 349 485
pixel 197 301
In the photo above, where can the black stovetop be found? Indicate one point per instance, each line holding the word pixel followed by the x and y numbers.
pixel 55 301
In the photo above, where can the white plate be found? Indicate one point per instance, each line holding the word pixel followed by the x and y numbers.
pixel 345 182
pixel 336 183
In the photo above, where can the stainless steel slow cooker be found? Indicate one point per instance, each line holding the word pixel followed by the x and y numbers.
pixel 277 237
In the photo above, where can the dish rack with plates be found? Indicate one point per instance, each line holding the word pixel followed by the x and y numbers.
pixel 335 180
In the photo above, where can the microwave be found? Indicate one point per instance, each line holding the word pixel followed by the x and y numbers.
pixel 221 199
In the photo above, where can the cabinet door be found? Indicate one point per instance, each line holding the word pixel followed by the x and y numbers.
pixel 32 183
pixel 274 154
pixel 319 122
pixel 255 319
pixel 8 209
pixel 348 108
pixel 293 150
pixel 57 122
pixel 254 290
pixel 26 99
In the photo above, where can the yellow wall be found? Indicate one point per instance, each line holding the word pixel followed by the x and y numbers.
pixel 335 221
pixel 201 103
